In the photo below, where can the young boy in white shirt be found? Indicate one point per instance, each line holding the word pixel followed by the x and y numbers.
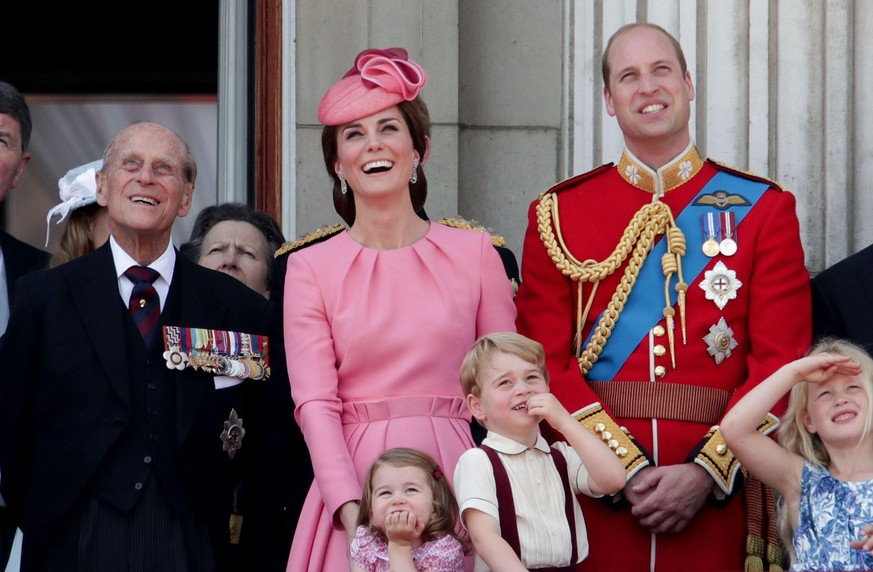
pixel 517 495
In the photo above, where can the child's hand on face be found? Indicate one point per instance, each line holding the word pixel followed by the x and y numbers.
pixel 821 367
pixel 402 527
pixel 547 406
pixel 865 543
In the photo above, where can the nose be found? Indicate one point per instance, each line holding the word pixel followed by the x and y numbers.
pixel 230 258
pixel 145 174
pixel 374 141
pixel 648 83
pixel 522 388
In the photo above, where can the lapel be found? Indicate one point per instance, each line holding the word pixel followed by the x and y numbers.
pixel 193 306
pixel 864 273
pixel 94 291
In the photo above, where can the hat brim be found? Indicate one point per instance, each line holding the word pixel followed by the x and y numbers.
pixel 350 99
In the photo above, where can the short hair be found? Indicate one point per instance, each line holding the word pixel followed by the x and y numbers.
pixel 12 103
pixel 505 342
pixel 417 121
pixel 189 163
pixel 214 214
pixel 445 510
pixel 604 62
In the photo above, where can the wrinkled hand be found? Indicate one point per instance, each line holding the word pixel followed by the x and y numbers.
pixel 865 543
pixel 402 527
pixel 666 499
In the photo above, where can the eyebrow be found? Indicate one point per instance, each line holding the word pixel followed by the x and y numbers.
pixel 382 121
pixel 503 374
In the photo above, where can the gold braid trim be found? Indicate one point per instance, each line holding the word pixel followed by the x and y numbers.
pixel 306 239
pixel 718 460
pixel 598 421
pixel 652 220
pixel 461 222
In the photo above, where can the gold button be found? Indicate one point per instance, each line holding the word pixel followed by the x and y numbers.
pixel 142 303
pixel 621 451
pixel 606 435
pixel 613 444
pixel 660 350
pixel 721 449
pixel 660 371
pixel 658 330
pixel 599 427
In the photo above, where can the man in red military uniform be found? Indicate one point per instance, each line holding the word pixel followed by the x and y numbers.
pixel 663 288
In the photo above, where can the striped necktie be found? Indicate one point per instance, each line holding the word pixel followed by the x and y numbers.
pixel 145 304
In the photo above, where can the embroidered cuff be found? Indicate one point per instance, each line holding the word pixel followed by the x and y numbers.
pixel 598 421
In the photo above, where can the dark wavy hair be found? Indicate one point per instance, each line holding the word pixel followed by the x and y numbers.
pixel 417 121
pixel 445 507
pixel 214 214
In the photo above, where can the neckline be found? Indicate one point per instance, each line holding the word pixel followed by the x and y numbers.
pixel 430 227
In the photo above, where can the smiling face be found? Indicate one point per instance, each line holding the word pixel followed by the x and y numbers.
pixel 143 183
pixel 13 159
pixel 648 93
pixel 507 382
pixel 400 488
pixel 237 248
pixel 376 155
pixel 836 410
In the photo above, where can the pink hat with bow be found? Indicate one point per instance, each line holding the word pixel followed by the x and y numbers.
pixel 378 80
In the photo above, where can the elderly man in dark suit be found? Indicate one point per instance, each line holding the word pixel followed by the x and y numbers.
pixel 110 451
pixel 16 258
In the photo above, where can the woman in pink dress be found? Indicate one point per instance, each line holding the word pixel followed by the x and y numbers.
pixel 378 318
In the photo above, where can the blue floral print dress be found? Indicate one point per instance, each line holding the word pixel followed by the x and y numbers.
pixel 832 513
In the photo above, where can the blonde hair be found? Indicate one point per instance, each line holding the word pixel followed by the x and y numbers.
pixel 503 342
pixel 794 436
pixel 76 240
pixel 444 519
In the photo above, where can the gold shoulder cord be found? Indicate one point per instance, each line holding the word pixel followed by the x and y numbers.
pixel 636 242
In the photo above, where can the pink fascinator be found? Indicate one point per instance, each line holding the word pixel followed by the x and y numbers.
pixel 378 80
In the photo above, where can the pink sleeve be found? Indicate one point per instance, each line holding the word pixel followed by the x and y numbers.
pixel 496 306
pixel 313 377
pixel 443 555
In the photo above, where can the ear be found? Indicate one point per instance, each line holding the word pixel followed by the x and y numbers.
pixel 423 160
pixel 474 404
pixel 101 190
pixel 689 85
pixel 610 108
pixel 25 159
pixel 187 199
pixel 808 424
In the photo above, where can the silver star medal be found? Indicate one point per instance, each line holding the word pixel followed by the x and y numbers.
pixel 720 284
pixel 720 341
pixel 232 436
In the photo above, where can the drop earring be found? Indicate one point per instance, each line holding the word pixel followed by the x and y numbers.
pixel 344 187
pixel 413 178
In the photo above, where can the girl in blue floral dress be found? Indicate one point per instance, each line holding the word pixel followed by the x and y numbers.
pixel 824 467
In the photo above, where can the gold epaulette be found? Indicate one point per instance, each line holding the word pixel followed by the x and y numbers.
pixel 321 233
pixel 598 421
pixel 460 222
pixel 744 174
pixel 573 181
pixel 718 460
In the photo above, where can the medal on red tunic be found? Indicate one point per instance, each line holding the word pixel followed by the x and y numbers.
pixel 710 232
pixel 720 284
pixel 728 244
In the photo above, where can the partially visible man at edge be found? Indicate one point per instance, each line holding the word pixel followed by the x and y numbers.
pixel 693 289
pixel 16 257
pixel 111 448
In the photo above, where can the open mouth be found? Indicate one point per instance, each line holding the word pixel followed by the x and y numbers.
pixel 520 407
pixel 144 200
pixel 378 167
pixel 653 108
pixel 844 416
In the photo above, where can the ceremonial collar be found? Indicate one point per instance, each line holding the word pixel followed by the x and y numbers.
pixel 667 178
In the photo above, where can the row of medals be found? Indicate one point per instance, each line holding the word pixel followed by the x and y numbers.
pixel 727 246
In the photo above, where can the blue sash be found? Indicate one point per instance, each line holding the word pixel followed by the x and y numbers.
pixel 645 304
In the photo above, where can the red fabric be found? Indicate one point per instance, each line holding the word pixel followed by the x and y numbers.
pixel 770 318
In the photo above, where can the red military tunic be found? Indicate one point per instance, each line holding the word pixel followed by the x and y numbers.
pixel 764 322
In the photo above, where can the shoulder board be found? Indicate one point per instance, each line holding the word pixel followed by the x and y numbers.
pixel 320 234
pixel 573 181
pixel 743 174
pixel 461 222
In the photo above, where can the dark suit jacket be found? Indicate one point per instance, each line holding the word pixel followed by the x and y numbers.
pixel 20 258
pixel 842 300
pixel 65 395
